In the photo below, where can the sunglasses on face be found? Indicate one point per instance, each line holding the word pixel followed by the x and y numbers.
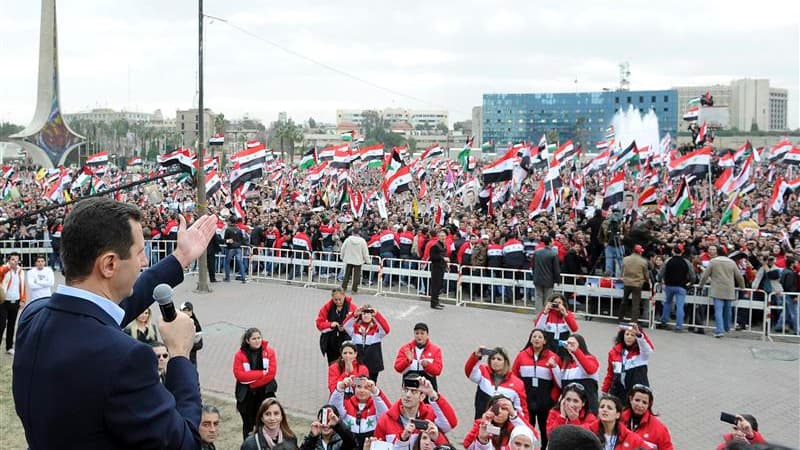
pixel 163 355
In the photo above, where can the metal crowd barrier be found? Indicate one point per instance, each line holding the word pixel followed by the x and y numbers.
pixel 496 286
pixel 28 250
pixel 411 278
pixel 783 315
pixel 329 272
pixel 290 266
pixel 599 297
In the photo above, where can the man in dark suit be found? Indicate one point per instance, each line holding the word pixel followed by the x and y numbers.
pixel 78 380
pixel 438 264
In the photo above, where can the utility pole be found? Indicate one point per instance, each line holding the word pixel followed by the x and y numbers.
pixel 200 182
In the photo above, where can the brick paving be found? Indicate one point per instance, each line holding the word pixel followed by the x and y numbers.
pixel 694 377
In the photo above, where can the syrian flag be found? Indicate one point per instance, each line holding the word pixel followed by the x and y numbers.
pixel 255 144
pixel 693 163
pixel 598 163
pixel 315 173
pixel 98 159
pixel 539 202
pixel 566 151
pixel 217 139
pixel 776 201
pixel 701 135
pixel 794 225
pixel 792 157
pixel 441 215
pixel 397 181
pixel 744 176
pixel 615 190
pixel 692 114
pixel 628 156
pixel 326 154
pixel 553 174
pixel 683 201
pixel 372 153
pixel 255 156
pixel 135 162
pixel 743 152
pixel 342 156
pixel 357 203
pixel 725 182
pixel 213 183
pixel 666 144
pixel 792 184
pixel 182 157
pixel 648 197
pixel 727 160
pixel 430 152
pixel 309 159
pixel 54 193
pixel 601 145
pixel 242 174
pixel 779 150
pixel 502 169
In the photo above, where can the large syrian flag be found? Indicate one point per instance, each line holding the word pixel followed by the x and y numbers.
pixel 430 152
pixel 217 139
pixel 315 173
pixel 776 201
pixel 693 163
pixel 502 169
pixel 725 182
pixel 792 157
pixel 648 197
pixel 727 160
pixel 213 183
pixel 777 151
pixel 615 190
pixel 135 162
pixel 397 181
pixel 242 174
pixel 182 157
pixel 98 159
pixel 342 157
pixel 566 151
pixel 255 156
pixel 372 153
pixel 326 154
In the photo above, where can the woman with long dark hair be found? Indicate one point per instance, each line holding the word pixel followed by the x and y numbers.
pixel 271 431
pixel 627 361
pixel 571 408
pixel 534 366
pixel 495 425
pixel 493 379
pixel 579 366
pixel 608 427
pixel 330 323
pixel 640 418
pixel 346 366
pixel 254 367
pixel 368 327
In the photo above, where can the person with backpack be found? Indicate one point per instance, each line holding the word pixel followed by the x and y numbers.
pixel 677 275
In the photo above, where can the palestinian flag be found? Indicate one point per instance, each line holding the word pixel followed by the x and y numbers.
pixel 213 183
pixel 182 157
pixel 430 152
pixel 217 139
pixel 682 202
pixel 694 102
pixel 135 162
pixel 628 156
pixel 463 157
pixel 488 146
pixel 730 215
pixel 83 177
pixel 648 197
pixel 502 169
pixel 98 159
pixel 693 163
pixel 615 190
pixel 242 174
pixel 349 135
pixel 255 156
pixel 309 159
pixel 372 153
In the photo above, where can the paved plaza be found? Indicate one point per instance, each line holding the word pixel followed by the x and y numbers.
pixel 694 377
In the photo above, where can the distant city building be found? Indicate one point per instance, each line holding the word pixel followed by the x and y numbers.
pixel 283 117
pixel 186 123
pixel 477 124
pixel 749 101
pixel 579 116
pixel 418 118
pixel 107 115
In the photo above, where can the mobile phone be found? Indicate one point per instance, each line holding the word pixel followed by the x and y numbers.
pixel 624 326
pixel 412 383
pixel 493 430
pixel 421 425
pixel 727 418
pixel 324 419
pixel 562 344
pixel 487 352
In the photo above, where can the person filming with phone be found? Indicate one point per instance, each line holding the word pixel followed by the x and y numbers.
pixel 493 429
pixel 745 430
pixel 493 379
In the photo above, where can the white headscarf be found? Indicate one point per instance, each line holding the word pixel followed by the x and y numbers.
pixel 523 430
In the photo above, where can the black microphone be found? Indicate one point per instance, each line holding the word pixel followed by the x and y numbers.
pixel 163 295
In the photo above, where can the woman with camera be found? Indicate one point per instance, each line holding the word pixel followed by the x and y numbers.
pixel 329 322
pixel 557 321
pixel 640 418
pixel 368 327
pixel 346 366
pixel 745 430
pixel 493 379
pixel 493 430
pixel 362 410
pixel 627 361
pixel 608 427
pixel 578 366
pixel 328 433
pixel 571 408
pixel 254 367
pixel 532 366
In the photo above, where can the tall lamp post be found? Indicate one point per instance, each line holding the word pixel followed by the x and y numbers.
pixel 200 182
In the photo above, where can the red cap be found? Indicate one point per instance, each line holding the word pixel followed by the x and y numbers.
pixel 638 249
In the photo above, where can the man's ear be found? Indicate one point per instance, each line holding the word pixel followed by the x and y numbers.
pixel 106 264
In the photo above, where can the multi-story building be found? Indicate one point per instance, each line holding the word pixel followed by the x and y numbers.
pixel 720 92
pixel 778 104
pixel 581 116
pixel 107 115
pixel 186 123
pixel 418 118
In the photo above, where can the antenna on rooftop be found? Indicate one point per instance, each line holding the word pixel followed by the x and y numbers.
pixel 624 76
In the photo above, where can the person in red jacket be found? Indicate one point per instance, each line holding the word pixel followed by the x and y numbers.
pixel 533 366
pixel 346 366
pixel 557 321
pixel 579 366
pixel 254 367
pixel 420 356
pixel 361 411
pixel 608 427
pixel 571 408
pixel 437 412
pixel 640 419
pixel 368 327
pixel 627 361
pixel 493 379
pixel 493 430
pixel 745 431
pixel 330 320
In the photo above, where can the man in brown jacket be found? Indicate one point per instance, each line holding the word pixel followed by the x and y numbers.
pixel 479 252
pixel 724 277
pixel 634 275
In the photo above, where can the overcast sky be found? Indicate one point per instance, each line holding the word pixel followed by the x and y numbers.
pixel 142 55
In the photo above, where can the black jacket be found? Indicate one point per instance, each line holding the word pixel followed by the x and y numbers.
pixel 342 439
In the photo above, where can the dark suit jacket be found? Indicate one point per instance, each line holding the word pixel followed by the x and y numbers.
pixel 546 269
pixel 437 257
pixel 80 382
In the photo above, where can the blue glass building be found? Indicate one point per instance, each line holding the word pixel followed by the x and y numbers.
pixel 582 116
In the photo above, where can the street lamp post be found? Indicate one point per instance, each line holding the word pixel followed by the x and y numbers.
pixel 200 182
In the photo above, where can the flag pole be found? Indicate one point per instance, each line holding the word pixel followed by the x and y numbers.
pixel 710 187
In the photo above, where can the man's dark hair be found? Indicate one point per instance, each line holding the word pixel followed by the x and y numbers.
pixel 573 437
pixel 96 226
pixel 546 240
pixel 14 254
